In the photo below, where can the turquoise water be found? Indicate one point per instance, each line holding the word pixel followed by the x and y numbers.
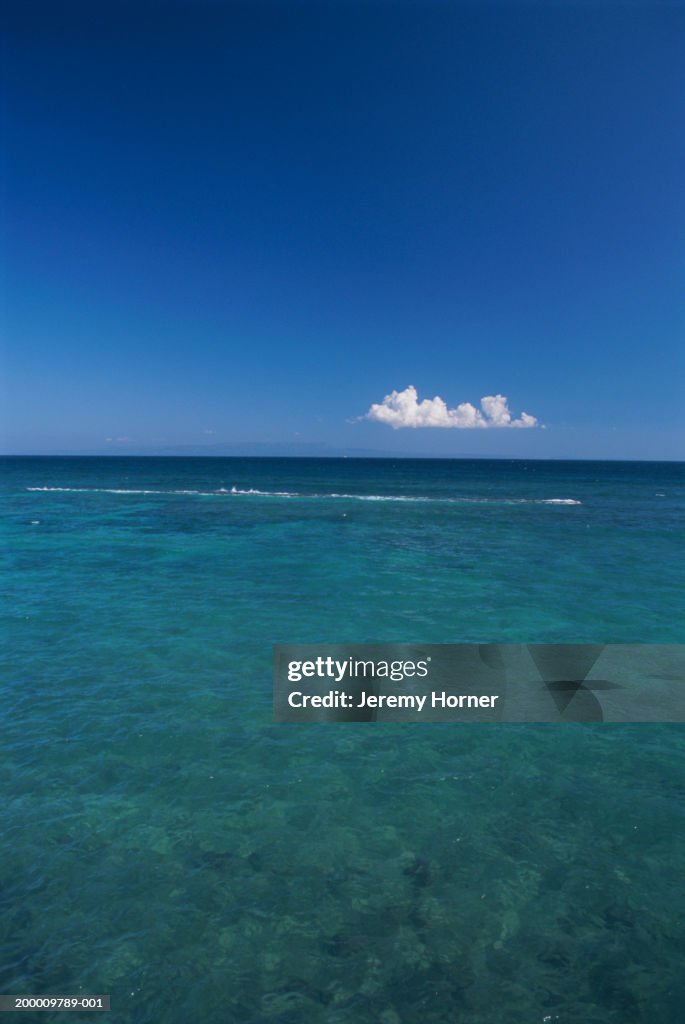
pixel 166 844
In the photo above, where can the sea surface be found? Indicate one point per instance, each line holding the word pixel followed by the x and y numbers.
pixel 166 844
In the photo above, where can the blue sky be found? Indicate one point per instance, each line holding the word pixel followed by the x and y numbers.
pixel 251 222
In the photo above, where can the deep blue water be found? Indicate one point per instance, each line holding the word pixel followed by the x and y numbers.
pixel 165 843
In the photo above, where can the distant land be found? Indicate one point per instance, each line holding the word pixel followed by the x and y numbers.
pixel 246 449
pixel 293 450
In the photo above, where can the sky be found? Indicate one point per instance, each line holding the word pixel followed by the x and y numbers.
pixel 426 228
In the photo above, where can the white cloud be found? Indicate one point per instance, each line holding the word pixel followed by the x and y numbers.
pixel 403 409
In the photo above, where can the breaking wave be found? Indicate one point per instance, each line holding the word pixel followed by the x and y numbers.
pixel 254 492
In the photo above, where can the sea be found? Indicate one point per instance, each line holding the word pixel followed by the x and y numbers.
pixel 165 843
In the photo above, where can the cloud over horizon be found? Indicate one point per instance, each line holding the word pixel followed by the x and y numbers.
pixel 402 409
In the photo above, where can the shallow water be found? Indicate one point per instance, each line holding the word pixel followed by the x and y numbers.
pixel 165 843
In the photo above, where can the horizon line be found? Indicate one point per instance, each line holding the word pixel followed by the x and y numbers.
pixel 378 457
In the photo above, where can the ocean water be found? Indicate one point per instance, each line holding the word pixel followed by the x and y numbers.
pixel 166 844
